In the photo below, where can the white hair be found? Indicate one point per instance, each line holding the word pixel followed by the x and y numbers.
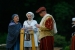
pixel 31 13
pixel 73 19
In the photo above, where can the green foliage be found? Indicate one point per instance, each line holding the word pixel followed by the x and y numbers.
pixel 67 48
pixel 63 10
pixel 3 38
pixel 63 13
pixel 59 41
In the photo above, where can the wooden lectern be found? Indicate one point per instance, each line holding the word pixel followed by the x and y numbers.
pixel 22 39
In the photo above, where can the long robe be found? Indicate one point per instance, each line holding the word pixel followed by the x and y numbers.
pixel 13 35
pixel 46 33
pixel 27 24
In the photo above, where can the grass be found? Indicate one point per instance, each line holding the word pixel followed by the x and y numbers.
pixel 3 37
pixel 2 48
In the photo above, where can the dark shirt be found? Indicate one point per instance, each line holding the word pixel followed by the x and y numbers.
pixel 73 28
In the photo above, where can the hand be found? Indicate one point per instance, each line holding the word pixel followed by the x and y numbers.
pixel 23 28
pixel 37 25
pixel 30 27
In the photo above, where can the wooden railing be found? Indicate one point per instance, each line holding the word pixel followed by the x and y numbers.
pixel 22 39
pixel 32 39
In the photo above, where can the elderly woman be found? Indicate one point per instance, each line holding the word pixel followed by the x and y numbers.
pixel 30 24
pixel 13 33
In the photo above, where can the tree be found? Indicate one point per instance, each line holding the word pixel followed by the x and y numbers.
pixel 59 41
pixel 63 13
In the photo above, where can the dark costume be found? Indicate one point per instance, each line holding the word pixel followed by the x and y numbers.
pixel 73 38
pixel 13 36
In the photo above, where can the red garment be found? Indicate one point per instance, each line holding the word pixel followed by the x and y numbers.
pixel 41 9
pixel 73 43
pixel 47 43
pixel 49 23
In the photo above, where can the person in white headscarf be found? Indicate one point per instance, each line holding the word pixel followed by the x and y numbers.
pixel 30 24
pixel 73 34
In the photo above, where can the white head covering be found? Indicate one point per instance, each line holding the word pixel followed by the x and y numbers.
pixel 31 13
pixel 73 19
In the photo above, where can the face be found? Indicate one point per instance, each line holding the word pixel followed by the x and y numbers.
pixel 29 16
pixel 73 22
pixel 42 13
pixel 16 18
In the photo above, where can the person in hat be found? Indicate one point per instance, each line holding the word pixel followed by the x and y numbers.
pixel 47 28
pixel 28 24
pixel 13 37
pixel 73 34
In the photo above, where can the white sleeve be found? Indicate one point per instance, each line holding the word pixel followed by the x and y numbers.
pixel 36 22
pixel 35 28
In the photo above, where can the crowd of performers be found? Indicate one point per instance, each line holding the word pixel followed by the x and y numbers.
pixel 43 32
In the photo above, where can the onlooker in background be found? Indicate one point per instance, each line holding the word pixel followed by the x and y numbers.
pixel 73 34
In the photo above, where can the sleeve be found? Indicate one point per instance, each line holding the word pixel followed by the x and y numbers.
pixel 21 26
pixel 35 28
pixel 36 22
pixel 43 28
pixel 49 24
pixel 13 31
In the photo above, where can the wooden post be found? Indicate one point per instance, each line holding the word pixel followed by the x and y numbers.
pixel 32 39
pixel 22 39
